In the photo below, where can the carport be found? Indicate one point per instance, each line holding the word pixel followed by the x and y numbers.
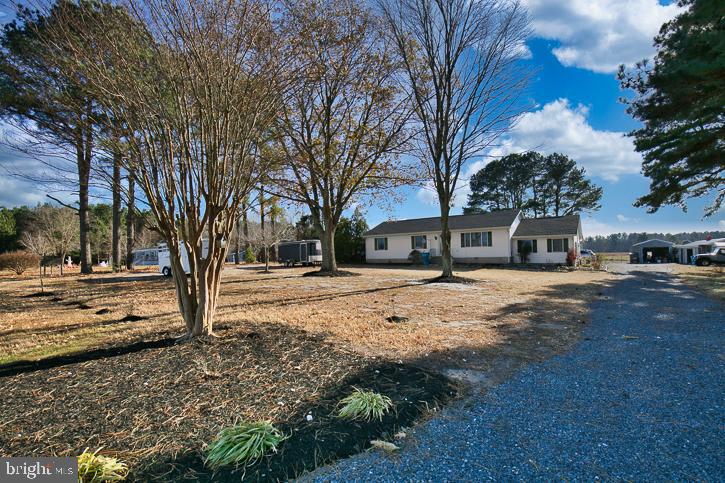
pixel 653 251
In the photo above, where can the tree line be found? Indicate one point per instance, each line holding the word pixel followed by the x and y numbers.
pixel 53 233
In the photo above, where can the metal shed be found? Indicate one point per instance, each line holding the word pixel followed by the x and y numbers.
pixel 653 251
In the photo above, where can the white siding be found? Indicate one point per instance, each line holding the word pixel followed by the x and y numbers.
pixel 541 255
pixel 498 249
pixel 398 247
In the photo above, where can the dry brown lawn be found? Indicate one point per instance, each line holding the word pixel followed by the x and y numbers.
pixel 709 280
pixel 289 346
pixel 545 308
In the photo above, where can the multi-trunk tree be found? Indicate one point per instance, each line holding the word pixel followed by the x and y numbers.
pixel 195 85
pixel 461 63
pixel 539 185
pixel 342 124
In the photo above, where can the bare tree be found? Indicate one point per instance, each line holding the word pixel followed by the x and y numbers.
pixel 194 82
pixel 267 237
pixel 55 230
pixel 36 240
pixel 342 125
pixel 461 59
pixel 130 220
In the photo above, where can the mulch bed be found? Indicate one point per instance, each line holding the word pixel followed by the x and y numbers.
pixel 452 279
pixel 155 406
pixel 326 273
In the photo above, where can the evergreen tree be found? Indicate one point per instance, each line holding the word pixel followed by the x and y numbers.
pixel 349 241
pixel 565 188
pixel 8 231
pixel 39 98
pixel 539 185
pixel 680 98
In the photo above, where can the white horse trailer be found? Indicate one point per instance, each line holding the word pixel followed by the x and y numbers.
pixel 165 257
pixel 304 252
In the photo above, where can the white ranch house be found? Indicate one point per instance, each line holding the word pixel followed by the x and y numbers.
pixel 494 237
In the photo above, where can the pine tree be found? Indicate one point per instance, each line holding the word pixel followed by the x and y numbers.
pixel 680 98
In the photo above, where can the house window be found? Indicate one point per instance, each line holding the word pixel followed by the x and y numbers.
pixel 477 239
pixel 381 244
pixel 531 243
pixel 418 242
pixel 557 245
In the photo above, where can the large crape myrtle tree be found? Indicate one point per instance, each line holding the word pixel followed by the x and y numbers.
pixel 194 84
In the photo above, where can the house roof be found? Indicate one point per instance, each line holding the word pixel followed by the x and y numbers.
pixel 494 219
pixel 654 241
pixel 555 225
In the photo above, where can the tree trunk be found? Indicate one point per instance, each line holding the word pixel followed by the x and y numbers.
pixel 245 226
pixel 197 294
pixel 116 219
pixel 329 263
pixel 84 172
pixel 62 263
pixel 261 220
pixel 238 245
pixel 130 222
pixel 446 258
pixel 40 274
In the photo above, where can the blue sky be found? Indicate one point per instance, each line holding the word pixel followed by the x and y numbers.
pixel 575 50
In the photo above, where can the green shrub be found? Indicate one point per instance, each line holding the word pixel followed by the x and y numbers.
pixel 249 255
pixel 18 261
pixel 525 251
pixel 243 444
pixel 364 405
pixel 415 257
pixel 94 468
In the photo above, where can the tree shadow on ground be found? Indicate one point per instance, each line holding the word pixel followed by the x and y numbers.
pixel 22 367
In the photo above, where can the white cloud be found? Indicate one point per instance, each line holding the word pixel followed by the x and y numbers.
pixel 625 219
pixel 592 227
pixel 560 127
pixel 599 35
pixel 721 223
pixel 427 194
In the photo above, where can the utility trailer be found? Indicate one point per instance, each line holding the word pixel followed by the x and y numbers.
pixel 304 252
pixel 165 257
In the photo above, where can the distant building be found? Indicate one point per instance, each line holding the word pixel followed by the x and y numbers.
pixel 652 251
pixel 685 251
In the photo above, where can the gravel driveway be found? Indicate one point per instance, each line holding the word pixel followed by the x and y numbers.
pixel 638 398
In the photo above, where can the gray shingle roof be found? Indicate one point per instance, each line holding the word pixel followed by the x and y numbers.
pixel 559 225
pixel 495 219
pixel 654 242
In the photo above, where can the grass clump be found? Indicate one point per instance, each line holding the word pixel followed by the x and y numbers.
pixel 94 468
pixel 243 444
pixel 364 405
